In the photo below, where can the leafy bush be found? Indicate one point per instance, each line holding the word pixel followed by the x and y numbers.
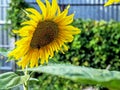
pixel 50 82
pixel 97 46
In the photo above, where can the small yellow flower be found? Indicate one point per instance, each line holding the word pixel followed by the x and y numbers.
pixel 111 2
pixel 44 34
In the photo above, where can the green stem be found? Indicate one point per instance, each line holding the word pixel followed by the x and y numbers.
pixel 25 85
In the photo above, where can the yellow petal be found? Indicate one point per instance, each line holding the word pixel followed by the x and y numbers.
pixel 31 22
pixel 54 7
pixel 25 31
pixel 25 60
pixel 51 50
pixel 67 20
pixel 42 56
pixel 111 2
pixel 66 37
pixel 61 15
pixel 46 55
pixel 23 41
pixel 43 8
pixel 35 12
pixel 70 29
pixel 22 52
pixel 48 7
pixel 33 17
pixel 18 52
pixel 65 47
pixel 34 58
pixel 59 11
pixel 55 47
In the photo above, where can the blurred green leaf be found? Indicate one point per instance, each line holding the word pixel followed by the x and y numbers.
pixel 84 75
pixel 4 53
pixel 10 79
pixel 33 79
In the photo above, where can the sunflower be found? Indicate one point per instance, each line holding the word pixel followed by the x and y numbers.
pixel 111 2
pixel 43 34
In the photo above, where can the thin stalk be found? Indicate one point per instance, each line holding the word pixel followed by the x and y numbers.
pixel 25 85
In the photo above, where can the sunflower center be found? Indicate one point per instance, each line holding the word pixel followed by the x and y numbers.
pixel 44 34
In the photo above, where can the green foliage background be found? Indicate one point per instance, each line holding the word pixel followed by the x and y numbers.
pixel 16 14
pixel 96 46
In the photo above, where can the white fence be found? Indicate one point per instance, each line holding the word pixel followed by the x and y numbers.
pixel 88 9
pixel 4 35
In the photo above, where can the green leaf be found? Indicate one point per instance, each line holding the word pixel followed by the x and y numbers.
pixel 4 52
pixel 10 80
pixel 33 79
pixel 84 75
